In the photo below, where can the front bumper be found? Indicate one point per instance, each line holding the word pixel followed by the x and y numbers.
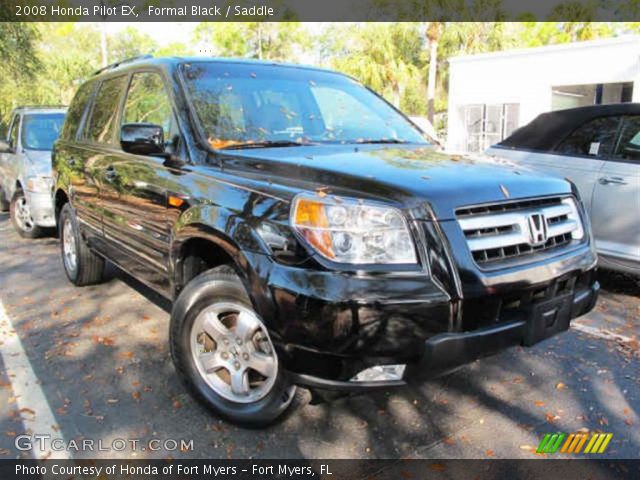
pixel 447 351
pixel 41 206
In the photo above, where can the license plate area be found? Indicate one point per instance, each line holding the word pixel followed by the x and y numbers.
pixel 547 318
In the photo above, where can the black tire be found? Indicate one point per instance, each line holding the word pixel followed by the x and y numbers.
pixel 4 204
pixel 216 285
pixel 25 228
pixel 89 267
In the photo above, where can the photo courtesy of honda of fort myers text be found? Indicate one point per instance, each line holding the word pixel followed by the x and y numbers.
pixel 348 239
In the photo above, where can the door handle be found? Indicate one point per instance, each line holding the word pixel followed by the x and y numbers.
pixel 110 173
pixel 611 180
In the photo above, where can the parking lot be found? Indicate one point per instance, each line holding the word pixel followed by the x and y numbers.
pixel 93 363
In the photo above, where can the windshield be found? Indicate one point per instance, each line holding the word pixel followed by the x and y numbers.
pixel 243 105
pixel 40 130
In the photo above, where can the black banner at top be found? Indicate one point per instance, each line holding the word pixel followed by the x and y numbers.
pixel 317 10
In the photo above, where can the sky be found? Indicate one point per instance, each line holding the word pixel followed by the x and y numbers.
pixel 167 32
pixel 162 32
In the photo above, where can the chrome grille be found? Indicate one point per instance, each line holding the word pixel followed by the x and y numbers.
pixel 515 229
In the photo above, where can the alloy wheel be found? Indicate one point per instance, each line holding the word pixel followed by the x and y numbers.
pixel 233 353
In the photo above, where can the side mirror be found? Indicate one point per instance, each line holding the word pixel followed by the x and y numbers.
pixel 5 147
pixel 142 139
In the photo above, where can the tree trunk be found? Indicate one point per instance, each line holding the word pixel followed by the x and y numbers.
pixel 431 82
pixel 433 36
pixel 103 44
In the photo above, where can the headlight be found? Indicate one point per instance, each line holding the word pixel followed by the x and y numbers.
pixel 353 231
pixel 578 233
pixel 39 184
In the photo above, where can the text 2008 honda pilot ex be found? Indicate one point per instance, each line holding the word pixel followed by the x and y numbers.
pixel 306 231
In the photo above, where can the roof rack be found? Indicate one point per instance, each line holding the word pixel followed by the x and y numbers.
pixel 122 62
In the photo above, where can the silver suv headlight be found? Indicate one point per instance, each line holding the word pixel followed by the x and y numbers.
pixel 39 184
pixel 353 231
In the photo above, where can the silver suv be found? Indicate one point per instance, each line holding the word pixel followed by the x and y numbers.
pixel 25 168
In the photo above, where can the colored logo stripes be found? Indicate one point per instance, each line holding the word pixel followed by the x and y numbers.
pixel 574 442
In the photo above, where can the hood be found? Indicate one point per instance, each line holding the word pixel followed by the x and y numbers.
pixel 39 163
pixel 403 175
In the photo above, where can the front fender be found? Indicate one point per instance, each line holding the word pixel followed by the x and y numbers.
pixel 237 239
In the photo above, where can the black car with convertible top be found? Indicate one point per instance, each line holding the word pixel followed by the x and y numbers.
pixel 306 232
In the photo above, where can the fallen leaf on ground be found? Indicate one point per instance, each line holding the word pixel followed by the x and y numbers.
pixel 539 403
pixel 560 386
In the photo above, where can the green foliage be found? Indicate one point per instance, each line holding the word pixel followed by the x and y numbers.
pixel 44 63
pixel 389 58
pixel 267 40
pixel 56 58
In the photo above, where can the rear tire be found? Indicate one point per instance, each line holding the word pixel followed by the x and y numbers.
pixel 217 339
pixel 21 218
pixel 82 266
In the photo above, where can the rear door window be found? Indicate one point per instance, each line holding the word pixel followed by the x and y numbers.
pixel 594 139
pixel 76 111
pixel 628 145
pixel 102 124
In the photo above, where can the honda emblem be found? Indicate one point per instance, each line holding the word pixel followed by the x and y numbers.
pixel 537 229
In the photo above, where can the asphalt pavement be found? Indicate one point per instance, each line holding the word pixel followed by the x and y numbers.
pixel 92 364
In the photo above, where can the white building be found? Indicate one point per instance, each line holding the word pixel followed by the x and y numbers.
pixel 492 94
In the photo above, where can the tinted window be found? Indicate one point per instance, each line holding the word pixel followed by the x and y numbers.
pixel 147 102
pixel 39 131
pixel 13 133
pixel 76 110
pixel 628 146
pixel 101 126
pixel 594 138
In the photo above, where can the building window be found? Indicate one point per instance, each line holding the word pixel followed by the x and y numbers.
pixel 572 96
pixel 488 124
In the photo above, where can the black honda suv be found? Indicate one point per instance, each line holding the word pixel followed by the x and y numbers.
pixel 306 232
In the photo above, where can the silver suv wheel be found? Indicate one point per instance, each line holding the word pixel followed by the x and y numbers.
pixel 233 353
pixel 23 214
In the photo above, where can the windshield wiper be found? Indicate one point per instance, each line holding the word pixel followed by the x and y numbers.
pixel 382 140
pixel 265 144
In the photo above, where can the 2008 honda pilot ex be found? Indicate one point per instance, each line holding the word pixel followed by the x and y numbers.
pixel 306 232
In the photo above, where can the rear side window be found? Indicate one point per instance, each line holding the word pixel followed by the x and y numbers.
pixel 595 138
pixel 628 147
pixel 102 124
pixel 76 110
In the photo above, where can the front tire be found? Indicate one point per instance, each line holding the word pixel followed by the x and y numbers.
pixel 82 266
pixel 223 353
pixel 21 217
pixel 4 204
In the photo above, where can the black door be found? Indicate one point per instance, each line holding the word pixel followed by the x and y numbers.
pixel 135 187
